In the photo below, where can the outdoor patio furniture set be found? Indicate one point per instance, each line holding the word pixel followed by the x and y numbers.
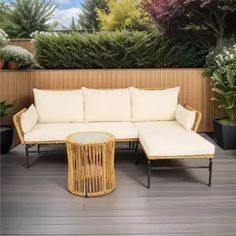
pixel 152 117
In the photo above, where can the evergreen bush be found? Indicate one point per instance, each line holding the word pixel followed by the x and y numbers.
pixel 120 49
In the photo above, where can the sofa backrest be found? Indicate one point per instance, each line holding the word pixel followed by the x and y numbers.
pixel 104 105
pixel 107 105
pixel 59 106
pixel 154 105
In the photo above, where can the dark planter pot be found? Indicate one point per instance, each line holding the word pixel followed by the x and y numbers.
pixel 225 135
pixel 6 138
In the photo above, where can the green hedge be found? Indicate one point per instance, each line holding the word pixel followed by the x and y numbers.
pixel 115 50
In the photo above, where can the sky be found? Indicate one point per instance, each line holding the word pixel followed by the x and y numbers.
pixel 66 10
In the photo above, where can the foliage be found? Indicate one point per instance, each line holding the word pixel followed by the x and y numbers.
pixel 224 88
pixel 4 107
pixel 3 38
pixel 3 55
pixel 120 49
pixel 27 16
pixel 221 67
pixel 227 122
pixel 214 16
pixel 116 18
pixel 220 58
pixel 4 8
pixel 33 35
pixel 88 17
pixel 21 56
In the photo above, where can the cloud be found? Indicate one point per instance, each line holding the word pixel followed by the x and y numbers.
pixel 64 16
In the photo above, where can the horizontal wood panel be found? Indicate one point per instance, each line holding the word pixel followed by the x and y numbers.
pixel 24 43
pixel 195 89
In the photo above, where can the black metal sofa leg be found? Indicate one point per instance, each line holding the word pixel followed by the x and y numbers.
pixel 129 144
pixel 137 155
pixel 210 172
pixel 27 155
pixel 136 146
pixel 149 168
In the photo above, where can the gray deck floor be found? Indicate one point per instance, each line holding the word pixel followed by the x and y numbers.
pixel 35 201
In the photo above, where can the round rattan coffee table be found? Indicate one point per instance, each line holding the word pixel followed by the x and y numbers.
pixel 91 163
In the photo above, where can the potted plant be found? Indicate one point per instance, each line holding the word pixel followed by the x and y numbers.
pixel 17 57
pixel 221 67
pixel 224 88
pixel 5 130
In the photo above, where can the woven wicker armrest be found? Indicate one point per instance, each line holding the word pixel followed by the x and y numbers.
pixel 17 124
pixel 197 119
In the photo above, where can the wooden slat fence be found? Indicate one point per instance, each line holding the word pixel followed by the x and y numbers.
pixel 195 89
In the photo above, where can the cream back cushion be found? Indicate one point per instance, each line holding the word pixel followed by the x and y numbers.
pixel 59 106
pixel 154 105
pixel 107 105
pixel 185 117
pixel 29 119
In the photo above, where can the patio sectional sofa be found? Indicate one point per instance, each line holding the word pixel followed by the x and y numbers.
pixel 154 118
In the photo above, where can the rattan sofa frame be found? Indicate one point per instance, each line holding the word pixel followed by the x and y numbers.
pixel 133 145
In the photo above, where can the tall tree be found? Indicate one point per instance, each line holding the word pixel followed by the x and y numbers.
pixel 27 16
pixel 218 17
pixel 88 17
pixel 4 10
pixel 124 14
pixel 73 25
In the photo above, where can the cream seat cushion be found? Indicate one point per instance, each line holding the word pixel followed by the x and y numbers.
pixel 169 138
pixel 107 105
pixel 59 106
pixel 154 105
pixel 59 131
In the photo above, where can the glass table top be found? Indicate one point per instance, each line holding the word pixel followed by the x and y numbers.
pixel 90 137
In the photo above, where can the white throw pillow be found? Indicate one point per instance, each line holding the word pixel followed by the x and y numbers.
pixel 29 119
pixel 59 106
pixel 153 105
pixel 107 105
pixel 185 117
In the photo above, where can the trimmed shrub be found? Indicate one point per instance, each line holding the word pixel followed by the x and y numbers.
pixel 121 49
